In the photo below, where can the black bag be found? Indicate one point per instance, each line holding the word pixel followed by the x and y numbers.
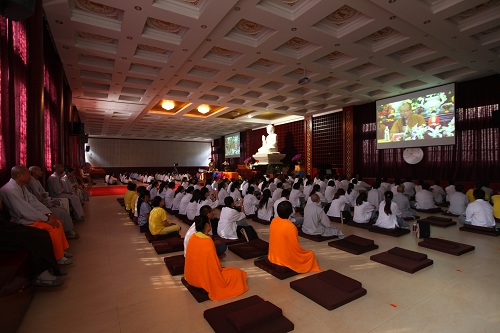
pixel 423 229
pixel 247 232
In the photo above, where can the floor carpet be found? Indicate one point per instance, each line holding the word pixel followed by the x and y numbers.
pixel 109 190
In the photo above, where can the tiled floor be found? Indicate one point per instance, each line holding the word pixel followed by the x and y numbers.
pixel 119 284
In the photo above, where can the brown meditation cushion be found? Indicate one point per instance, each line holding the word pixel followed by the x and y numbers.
pixel 441 242
pixel 168 245
pixel 412 255
pixel 480 230
pixel 252 249
pixel 280 272
pixel 200 294
pixel 253 316
pixel 396 232
pixel 401 263
pixel 439 218
pixel 446 246
pixel 175 264
pixel 340 281
pixel 359 240
pixel 360 225
pixel 316 238
pixel 346 245
pixel 430 210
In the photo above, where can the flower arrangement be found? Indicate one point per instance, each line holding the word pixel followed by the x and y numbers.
pixel 297 158
pixel 226 165
pixel 250 160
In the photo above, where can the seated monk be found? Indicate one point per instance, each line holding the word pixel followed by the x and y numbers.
pixel 284 247
pixel 204 270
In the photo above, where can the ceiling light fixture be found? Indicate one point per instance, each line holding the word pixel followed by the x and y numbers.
pixel 203 108
pixel 168 105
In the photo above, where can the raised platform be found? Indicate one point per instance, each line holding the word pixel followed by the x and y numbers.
pixel 269 158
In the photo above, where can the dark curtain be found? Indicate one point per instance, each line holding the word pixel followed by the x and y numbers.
pixel 4 99
pixel 475 156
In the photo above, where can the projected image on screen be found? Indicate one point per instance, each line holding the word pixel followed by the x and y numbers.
pixel 232 145
pixel 424 118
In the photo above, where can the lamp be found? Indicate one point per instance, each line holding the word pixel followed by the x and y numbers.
pixel 168 104
pixel 203 108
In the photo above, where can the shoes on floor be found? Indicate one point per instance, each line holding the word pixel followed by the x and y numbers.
pixel 47 283
pixel 68 254
pixel 64 261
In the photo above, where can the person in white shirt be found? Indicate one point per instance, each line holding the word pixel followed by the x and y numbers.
pixel 317 190
pixel 250 203
pixel 265 206
pixel 458 201
pixel 297 198
pixel 404 204
pixel 351 194
pixel 450 189
pixel 315 220
pixel 272 186
pixel 169 195
pixel 389 215
pixel 339 203
pixel 363 184
pixel 409 187
pixel 192 207
pixel 179 193
pixel 185 200
pixel 222 195
pixel 364 212
pixel 277 192
pixel 285 195
pixel 375 196
pixel 479 212
pixel 220 247
pixel 207 199
pixel 384 185
pixel 330 191
pixel 424 198
pixel 438 192
pixel 308 188
pixel 344 183
pixel 55 189
pixel 234 192
pixel 230 219
pixel 322 184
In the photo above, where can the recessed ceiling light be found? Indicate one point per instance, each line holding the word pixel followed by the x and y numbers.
pixel 294 29
pixel 337 45
pixel 208 40
pixel 138 8
pixel 393 17
pixel 237 9
pixel 203 26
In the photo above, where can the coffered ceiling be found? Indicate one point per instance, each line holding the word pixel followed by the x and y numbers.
pixel 244 59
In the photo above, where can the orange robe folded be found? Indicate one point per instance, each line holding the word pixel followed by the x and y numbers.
pixel 204 270
pixel 59 241
pixel 285 250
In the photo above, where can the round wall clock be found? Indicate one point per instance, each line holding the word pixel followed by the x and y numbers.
pixel 413 155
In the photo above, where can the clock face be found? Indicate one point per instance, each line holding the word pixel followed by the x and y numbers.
pixel 413 155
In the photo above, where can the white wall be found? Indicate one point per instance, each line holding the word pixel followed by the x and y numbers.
pixel 146 153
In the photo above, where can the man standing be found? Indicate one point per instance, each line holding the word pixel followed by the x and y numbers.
pixel 407 121
pixel 56 190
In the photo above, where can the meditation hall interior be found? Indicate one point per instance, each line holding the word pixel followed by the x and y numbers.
pixel 105 104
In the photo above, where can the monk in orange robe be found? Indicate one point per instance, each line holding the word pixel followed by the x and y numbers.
pixel 204 270
pixel 284 247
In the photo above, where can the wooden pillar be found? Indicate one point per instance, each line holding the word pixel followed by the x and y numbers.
pixel 308 144
pixel 348 156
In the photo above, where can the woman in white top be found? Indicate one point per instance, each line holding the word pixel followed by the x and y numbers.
pixel 235 193
pixel 222 192
pixel 185 200
pixel 250 203
pixel 230 219
pixel 389 215
pixel 339 203
pixel 169 195
pixel 351 194
pixel 265 211
pixel 364 211
pixel 330 191
pixel 179 193
pixel 206 199
pixel 192 206
pixel 153 189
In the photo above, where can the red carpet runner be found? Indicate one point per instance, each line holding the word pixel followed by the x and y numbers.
pixel 109 190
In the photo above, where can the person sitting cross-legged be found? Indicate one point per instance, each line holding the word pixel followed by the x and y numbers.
pixel 389 215
pixel 230 220
pixel 316 222
pixel 220 247
pixel 479 212
pixel 284 247
pixel 203 268
pixel 158 223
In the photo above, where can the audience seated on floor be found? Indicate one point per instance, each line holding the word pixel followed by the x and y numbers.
pixel 403 203
pixel 222 195
pixel 284 247
pixel 185 200
pixel 479 212
pixel 250 202
pixel 25 209
pixel 265 206
pixel 470 193
pixel 487 190
pixel 158 223
pixel 179 194
pixel 424 198
pixel 278 190
pixel 230 220
pixel 438 192
pixel 295 217
pixel 207 198
pixel 364 212
pixel 329 191
pixel 204 270
pixel 389 215
pixel 56 190
pixel 339 203
pixel 495 199
pixel 375 196
pixel 143 210
pixel 220 247
pixel 316 222
pixel 450 189
pixel 458 201
pixel 128 196
pixel 351 194
pixel 409 187
pixel 192 207
pixel 135 200
pixel 297 198
pixel 169 195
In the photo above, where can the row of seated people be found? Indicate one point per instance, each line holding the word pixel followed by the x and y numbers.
pixel 32 208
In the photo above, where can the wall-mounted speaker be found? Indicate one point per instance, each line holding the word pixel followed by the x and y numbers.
pixel 17 10
pixel 87 148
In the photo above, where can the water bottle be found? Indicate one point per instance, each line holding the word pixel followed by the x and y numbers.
pixel 386 134
pixel 415 226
